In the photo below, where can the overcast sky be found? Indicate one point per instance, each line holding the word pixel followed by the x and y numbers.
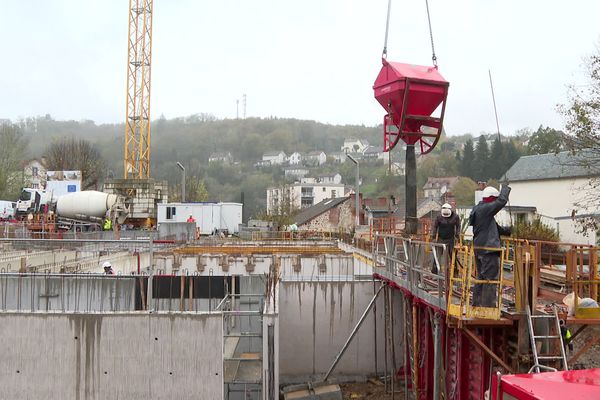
pixel 309 59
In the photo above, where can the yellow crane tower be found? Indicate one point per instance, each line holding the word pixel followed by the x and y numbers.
pixel 142 193
pixel 137 125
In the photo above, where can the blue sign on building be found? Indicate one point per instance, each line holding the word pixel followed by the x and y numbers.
pixel 71 188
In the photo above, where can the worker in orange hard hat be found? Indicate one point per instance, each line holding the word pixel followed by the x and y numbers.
pixel 486 239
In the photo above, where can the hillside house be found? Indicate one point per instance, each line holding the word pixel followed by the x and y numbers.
pixel 435 187
pixel 333 177
pixel 338 157
pixel 297 172
pixel 301 195
pixel 223 158
pixel 372 153
pixel 352 145
pixel 295 158
pixel 330 215
pixel 274 158
pixel 316 157
pixel 553 184
pixel 34 173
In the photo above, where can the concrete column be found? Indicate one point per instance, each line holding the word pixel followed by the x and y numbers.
pixel 411 190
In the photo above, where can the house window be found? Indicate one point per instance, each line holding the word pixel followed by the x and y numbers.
pixel 333 193
pixel 34 171
pixel 323 189
pixel 35 186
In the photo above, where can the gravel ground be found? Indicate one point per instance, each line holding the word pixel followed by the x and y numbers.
pixel 591 358
pixel 366 391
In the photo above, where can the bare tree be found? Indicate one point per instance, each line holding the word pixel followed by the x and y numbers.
pixel 12 152
pixel 582 140
pixel 77 154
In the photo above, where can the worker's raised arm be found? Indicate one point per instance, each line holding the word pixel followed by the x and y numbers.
pixel 500 201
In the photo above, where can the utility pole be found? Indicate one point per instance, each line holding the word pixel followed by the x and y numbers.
pixel 244 104
pixel 180 165
pixel 237 109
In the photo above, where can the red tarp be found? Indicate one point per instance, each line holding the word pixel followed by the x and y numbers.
pixel 562 385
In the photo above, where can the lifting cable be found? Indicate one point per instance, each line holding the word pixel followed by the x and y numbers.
pixel 387 29
pixel 433 56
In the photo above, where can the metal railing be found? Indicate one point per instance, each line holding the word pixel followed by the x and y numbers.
pixel 417 266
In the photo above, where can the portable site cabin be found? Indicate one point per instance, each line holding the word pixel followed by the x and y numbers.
pixel 224 217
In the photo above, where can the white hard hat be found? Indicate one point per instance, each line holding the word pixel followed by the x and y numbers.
pixel 490 191
pixel 106 264
pixel 448 206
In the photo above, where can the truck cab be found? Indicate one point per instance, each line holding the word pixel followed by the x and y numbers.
pixel 32 201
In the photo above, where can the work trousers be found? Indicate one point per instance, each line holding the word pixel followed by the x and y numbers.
pixel 488 268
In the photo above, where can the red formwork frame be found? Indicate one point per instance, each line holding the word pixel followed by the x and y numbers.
pixel 466 365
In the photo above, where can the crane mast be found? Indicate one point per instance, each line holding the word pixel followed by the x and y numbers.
pixel 137 124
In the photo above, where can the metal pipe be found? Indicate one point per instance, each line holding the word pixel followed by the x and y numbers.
pixel 375 327
pixel 352 334
pixel 415 350
pixel 436 356
pixel 385 338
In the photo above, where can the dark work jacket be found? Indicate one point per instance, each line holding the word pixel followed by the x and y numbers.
pixel 446 228
pixel 485 228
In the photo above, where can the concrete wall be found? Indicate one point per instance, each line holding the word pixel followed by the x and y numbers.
pixel 316 318
pixel 102 356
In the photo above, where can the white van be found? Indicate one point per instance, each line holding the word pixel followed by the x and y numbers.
pixel 7 210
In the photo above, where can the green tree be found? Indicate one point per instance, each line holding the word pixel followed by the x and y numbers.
pixel 511 155
pixel 12 152
pixel 496 162
pixel 545 140
pixel 468 159
pixel 464 191
pixel 77 154
pixel 482 156
pixel 582 138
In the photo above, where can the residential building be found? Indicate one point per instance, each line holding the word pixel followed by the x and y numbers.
pixel 224 158
pixel 436 187
pixel 297 172
pixel 333 177
pixel 554 184
pixel 338 157
pixel 295 158
pixel 34 173
pixel 300 195
pixel 316 157
pixel 274 157
pixel 372 153
pixel 353 145
pixel 330 215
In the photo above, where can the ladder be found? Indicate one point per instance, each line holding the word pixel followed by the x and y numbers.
pixel 552 340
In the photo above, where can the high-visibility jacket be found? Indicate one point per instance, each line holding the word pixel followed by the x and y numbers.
pixel 107 224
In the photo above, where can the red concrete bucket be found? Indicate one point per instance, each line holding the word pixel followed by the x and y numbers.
pixel 411 94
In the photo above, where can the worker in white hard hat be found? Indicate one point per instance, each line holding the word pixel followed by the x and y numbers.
pixel 108 268
pixel 446 229
pixel 486 239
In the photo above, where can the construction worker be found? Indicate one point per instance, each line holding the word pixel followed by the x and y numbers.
pixel 107 224
pixel 566 335
pixel 486 239
pixel 108 268
pixel 191 219
pixel 446 229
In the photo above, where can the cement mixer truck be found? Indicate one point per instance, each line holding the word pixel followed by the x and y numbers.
pixel 85 206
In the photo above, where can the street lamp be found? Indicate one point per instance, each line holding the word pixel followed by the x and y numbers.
pixel 357 194
pixel 180 165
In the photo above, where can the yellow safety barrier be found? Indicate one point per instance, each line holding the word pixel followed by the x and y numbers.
pixel 463 270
